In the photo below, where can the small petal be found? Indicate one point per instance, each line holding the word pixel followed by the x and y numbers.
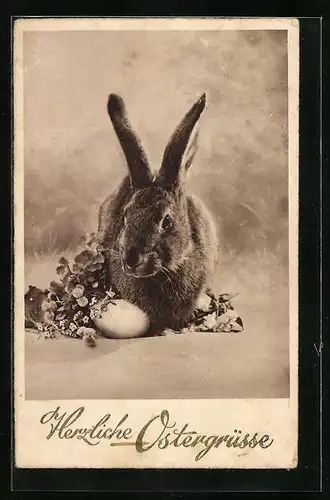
pixel 82 301
pixel 203 303
pixel 78 292
pixel 49 316
pixel 45 306
pixel 81 331
pixel 210 321
pixel 76 269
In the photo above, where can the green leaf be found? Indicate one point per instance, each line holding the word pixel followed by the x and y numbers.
pixel 210 294
pixel 66 299
pixel 235 327
pixel 76 269
pixel 91 268
pixel 63 261
pixel 90 278
pixel 98 259
pixel 70 286
pixel 227 297
pixel 61 270
pixel 90 238
pixel 66 278
pixel 84 258
pixel 61 316
pixel 56 288
pixel 94 247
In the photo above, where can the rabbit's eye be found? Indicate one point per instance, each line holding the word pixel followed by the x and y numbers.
pixel 166 223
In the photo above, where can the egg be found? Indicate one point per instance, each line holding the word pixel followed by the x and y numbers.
pixel 122 320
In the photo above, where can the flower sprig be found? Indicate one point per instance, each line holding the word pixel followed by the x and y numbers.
pixel 70 305
pixel 215 314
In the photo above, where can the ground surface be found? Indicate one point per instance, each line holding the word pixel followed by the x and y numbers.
pixel 250 364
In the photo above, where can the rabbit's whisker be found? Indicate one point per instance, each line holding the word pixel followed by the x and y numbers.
pixel 170 274
pixel 174 271
pixel 178 266
pixel 167 274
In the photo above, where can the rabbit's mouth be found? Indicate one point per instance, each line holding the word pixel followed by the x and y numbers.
pixel 147 268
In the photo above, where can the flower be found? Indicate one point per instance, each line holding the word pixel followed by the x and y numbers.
pixel 210 321
pixel 89 336
pixel 81 331
pixel 204 303
pixel 52 305
pixel 49 316
pixel 45 306
pixel 82 301
pixel 78 315
pixel 78 291
pixel 95 314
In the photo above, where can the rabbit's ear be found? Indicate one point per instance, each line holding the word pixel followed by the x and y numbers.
pixel 136 157
pixel 191 150
pixel 173 163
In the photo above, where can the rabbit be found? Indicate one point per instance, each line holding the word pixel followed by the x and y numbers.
pixel 162 242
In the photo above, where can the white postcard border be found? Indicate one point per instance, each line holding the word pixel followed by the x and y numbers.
pixel 277 418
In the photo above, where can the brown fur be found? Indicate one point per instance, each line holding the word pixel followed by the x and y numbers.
pixel 182 258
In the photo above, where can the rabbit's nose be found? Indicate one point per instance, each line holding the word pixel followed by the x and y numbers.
pixel 132 258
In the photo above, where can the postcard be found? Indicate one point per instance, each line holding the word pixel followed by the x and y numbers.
pixel 156 243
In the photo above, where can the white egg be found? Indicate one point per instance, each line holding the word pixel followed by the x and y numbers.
pixel 122 320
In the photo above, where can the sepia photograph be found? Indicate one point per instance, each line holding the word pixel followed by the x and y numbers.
pixel 156 188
